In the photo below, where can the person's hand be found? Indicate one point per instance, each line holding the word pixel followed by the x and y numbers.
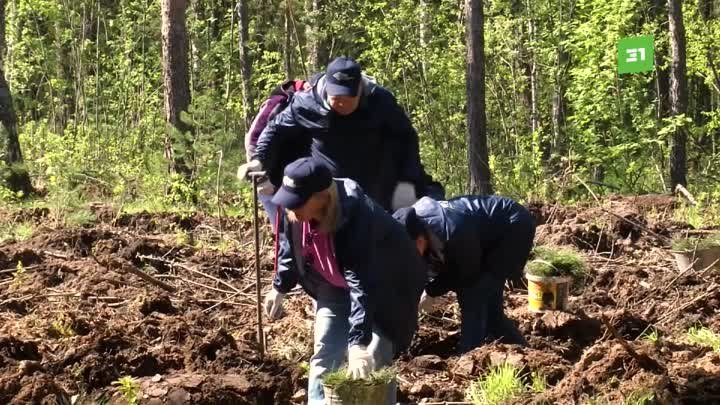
pixel 273 304
pixel 427 303
pixel 403 196
pixel 360 362
pixel 247 168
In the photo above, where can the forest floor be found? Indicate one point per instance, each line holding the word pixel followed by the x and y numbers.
pixel 74 319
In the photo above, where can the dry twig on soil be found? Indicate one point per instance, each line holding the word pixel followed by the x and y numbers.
pixel 173 264
pixel 644 360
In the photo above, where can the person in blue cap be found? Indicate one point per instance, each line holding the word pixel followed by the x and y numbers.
pixel 354 127
pixel 473 244
pixel 359 265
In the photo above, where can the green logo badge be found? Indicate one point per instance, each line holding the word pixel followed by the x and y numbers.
pixel 636 54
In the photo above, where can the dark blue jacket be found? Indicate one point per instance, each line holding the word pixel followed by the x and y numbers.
pixel 382 268
pixel 376 145
pixel 467 228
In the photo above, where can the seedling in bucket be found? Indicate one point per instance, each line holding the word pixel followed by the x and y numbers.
pixel 549 277
pixel 378 389
pixel 696 253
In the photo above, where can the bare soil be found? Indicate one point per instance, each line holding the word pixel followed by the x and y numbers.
pixel 74 320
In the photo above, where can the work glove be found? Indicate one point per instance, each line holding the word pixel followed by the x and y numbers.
pixel 427 303
pixel 403 196
pixel 273 304
pixel 247 168
pixel 266 188
pixel 360 362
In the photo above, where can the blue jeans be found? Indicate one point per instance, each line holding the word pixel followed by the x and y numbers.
pixel 482 316
pixel 331 344
pixel 270 208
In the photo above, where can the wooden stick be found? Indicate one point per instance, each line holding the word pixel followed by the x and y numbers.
pixel 13 270
pixel 173 263
pixel 644 360
pixel 206 286
pixel 682 190
pixel 56 254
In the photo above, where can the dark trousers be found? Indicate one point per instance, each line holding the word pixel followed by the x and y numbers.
pixel 483 318
pixel 481 302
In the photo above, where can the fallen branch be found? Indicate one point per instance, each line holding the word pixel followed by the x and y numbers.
pixel 173 264
pixel 206 286
pixel 120 264
pixel 682 190
pixel 56 254
pixel 13 270
pixel 645 361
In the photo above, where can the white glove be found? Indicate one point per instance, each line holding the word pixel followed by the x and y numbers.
pixel 403 196
pixel 360 362
pixel 427 303
pixel 247 168
pixel 266 188
pixel 274 304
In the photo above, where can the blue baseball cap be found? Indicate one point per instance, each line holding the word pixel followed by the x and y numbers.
pixel 302 178
pixel 342 77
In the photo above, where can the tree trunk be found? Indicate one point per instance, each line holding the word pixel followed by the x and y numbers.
pixel 16 177
pixel 245 63
pixel 559 101
pixel 316 43
pixel 678 92
pixel 534 114
pixel 177 84
pixel 423 31
pixel 657 15
pixel 287 46
pixel 475 85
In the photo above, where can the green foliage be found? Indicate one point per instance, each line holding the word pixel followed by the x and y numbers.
pixel 129 389
pixel 538 383
pixel 691 244
pixel 499 385
pixel 554 263
pixel 703 336
pixel 339 380
pixel 87 84
pixel 19 276
pixel 62 327
pixel 651 336
pixel 640 397
pixel 16 231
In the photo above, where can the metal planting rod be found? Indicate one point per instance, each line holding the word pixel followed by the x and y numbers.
pixel 258 288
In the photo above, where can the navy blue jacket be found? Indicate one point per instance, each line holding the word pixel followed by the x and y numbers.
pixel 376 145
pixel 467 228
pixel 379 261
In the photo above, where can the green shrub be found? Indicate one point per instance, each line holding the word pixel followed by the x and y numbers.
pixel 340 382
pixel 501 384
pixel 691 244
pixel 556 263
pixel 703 336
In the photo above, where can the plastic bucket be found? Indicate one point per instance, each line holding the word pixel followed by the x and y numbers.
pixel 385 394
pixel 547 293
pixel 699 259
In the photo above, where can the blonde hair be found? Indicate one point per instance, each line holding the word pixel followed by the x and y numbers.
pixel 329 221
